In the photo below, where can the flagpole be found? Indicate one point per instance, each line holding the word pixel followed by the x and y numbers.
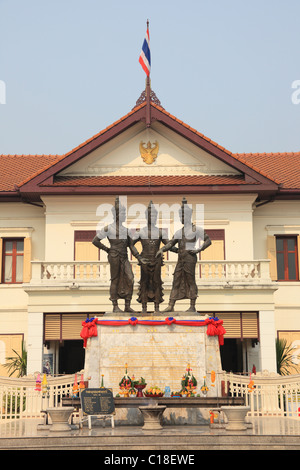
pixel 148 90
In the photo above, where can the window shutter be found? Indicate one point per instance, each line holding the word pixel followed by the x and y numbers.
pixel 86 251
pixel 72 325
pixel 232 324
pixel 1 255
pixel 52 327
pixel 250 325
pixel 214 252
pixel 240 325
pixel 59 327
pixel 271 247
pixel 27 260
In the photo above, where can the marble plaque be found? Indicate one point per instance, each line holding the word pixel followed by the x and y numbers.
pixel 159 354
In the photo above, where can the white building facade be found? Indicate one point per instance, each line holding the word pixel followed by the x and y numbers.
pixel 52 277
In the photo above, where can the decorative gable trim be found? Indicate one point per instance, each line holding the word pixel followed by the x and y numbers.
pixel 45 181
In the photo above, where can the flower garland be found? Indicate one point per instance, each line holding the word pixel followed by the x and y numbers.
pixel 214 325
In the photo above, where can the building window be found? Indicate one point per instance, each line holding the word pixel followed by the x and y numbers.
pixel 287 258
pixel 13 259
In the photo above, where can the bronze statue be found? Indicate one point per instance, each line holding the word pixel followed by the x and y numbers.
pixel 121 286
pixel 184 283
pixel 151 237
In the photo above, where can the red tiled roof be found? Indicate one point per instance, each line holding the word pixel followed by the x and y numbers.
pixel 14 169
pixel 153 180
pixel 283 168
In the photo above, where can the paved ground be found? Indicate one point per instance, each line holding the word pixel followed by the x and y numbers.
pixel 260 427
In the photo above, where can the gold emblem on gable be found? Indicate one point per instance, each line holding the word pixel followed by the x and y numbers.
pixel 149 153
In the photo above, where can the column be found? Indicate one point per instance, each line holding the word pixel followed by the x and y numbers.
pixel 267 335
pixel 34 342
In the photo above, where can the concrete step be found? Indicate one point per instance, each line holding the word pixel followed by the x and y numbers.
pixel 152 441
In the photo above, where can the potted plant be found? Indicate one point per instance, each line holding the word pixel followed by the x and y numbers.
pixel 18 363
pixel 285 358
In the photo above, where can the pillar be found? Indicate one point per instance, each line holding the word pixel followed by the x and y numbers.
pixel 34 342
pixel 267 335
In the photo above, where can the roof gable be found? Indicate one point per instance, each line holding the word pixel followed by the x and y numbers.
pixel 126 155
pixel 197 163
pixel 56 177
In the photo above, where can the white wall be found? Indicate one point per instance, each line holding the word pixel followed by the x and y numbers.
pixel 279 218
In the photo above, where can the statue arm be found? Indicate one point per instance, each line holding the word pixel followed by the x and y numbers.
pixel 96 241
pixel 207 242
pixel 166 242
pixel 134 251
pixel 168 246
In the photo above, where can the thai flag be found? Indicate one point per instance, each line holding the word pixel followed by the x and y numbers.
pixel 145 57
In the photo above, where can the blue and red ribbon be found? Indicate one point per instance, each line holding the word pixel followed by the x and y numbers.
pixel 214 325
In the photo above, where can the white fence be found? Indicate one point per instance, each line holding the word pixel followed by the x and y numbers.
pixel 270 396
pixel 20 399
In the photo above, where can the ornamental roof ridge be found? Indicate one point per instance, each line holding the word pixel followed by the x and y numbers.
pixel 142 98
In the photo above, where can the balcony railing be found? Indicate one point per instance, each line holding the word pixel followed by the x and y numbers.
pixel 212 272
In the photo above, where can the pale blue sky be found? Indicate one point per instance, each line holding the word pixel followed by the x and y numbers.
pixel 225 67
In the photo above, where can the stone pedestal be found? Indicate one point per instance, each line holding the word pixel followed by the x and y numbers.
pixel 160 354
pixel 152 416
pixel 60 418
pixel 236 416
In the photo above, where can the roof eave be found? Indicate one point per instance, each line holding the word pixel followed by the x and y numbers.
pixel 260 190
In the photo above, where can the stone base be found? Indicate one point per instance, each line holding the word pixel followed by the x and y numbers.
pixel 60 418
pixel 236 416
pixel 152 417
pixel 160 354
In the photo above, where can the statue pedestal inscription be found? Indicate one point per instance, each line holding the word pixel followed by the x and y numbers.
pixel 160 354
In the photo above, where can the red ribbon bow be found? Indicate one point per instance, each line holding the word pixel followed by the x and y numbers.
pixel 170 320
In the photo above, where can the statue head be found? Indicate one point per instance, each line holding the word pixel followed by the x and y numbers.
pixel 151 214
pixel 119 211
pixel 185 212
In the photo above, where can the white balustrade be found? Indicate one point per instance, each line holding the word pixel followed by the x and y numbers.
pixel 271 395
pixel 223 271
pixel 20 399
